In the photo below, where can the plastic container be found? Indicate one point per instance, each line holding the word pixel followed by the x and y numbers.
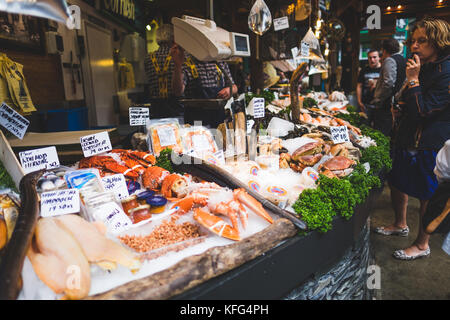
pixel 157 204
pixel 129 204
pixel 140 213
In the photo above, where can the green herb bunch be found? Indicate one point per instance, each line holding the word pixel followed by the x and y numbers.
pixel 362 183
pixel 6 182
pixel 332 197
pixel 316 209
pixel 309 102
pixel 341 194
pixel 268 96
pixel 163 160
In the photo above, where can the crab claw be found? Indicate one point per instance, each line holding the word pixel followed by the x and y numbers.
pixel 225 209
pixel 216 224
pixel 187 203
pixel 242 196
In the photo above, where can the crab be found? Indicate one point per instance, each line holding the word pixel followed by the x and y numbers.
pixel 337 167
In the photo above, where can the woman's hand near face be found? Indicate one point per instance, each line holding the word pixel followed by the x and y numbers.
pixel 413 68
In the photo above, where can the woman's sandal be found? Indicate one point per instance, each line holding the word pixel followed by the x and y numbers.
pixel 401 255
pixel 402 232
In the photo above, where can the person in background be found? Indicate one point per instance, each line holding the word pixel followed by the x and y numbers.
pixel 159 66
pixel 392 77
pixel 200 80
pixel 367 81
pixel 424 127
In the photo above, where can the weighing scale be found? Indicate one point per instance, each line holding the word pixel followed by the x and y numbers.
pixel 207 42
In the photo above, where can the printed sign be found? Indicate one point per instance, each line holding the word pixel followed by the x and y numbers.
pixel 13 121
pixel 115 219
pixel 61 202
pixel 117 184
pixel 166 136
pixel 34 160
pixel 259 107
pixel 339 134
pixel 281 23
pixel 250 124
pixel 95 144
pixel 139 116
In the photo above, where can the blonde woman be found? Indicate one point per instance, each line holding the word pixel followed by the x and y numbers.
pixel 423 129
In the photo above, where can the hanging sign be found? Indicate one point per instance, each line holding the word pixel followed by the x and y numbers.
pixel 95 144
pixel 13 121
pixel 281 23
pixel 33 160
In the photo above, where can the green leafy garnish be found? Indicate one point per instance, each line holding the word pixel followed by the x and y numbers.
pixel 163 160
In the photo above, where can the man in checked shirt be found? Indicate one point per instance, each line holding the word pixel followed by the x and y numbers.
pixel 159 67
pixel 200 80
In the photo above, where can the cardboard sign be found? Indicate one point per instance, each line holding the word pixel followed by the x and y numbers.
pixel 95 144
pixel 13 121
pixel 34 160
pixel 117 184
pixel 115 219
pixel 281 23
pixel 139 116
pixel 259 107
pixel 61 202
pixel 339 134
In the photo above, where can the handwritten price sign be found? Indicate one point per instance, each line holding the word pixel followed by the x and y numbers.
pixel 339 134
pixel 95 144
pixel 33 160
pixel 13 121
pixel 56 203
pixel 139 116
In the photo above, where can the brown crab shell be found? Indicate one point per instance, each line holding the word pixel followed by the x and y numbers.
pixel 338 163
pixel 310 160
pixel 308 149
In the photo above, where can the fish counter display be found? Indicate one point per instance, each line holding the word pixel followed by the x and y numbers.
pixel 130 221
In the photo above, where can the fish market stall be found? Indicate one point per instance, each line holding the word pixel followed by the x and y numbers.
pixel 184 221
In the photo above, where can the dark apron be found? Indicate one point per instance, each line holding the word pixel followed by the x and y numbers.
pixel 166 108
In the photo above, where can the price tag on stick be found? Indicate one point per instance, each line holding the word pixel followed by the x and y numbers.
pixel 139 116
pixel 95 144
pixel 34 160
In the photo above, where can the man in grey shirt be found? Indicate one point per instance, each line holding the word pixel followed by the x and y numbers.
pixel 392 76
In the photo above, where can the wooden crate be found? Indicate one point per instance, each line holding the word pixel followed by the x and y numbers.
pixel 10 161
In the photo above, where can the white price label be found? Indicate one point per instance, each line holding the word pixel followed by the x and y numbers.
pixel 294 53
pixel 281 23
pixel 250 124
pixel 33 160
pixel 259 107
pixel 201 143
pixel 95 144
pixel 61 202
pixel 166 136
pixel 304 49
pixel 13 121
pixel 339 134
pixel 139 116
pixel 114 218
pixel 117 184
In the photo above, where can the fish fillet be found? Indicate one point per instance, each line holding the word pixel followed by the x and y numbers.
pixel 97 247
pixel 59 261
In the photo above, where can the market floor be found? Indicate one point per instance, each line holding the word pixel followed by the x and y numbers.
pixel 423 279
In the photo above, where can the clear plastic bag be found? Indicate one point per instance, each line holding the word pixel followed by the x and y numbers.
pixel 50 9
pixel 164 133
